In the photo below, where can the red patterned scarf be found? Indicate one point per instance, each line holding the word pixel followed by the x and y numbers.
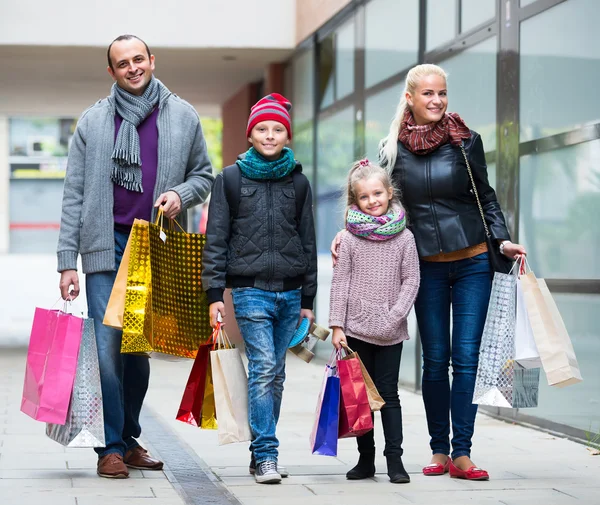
pixel 427 138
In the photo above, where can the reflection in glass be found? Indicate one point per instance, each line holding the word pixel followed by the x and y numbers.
pixel 388 50
pixel 559 204
pixel 441 22
pixel 475 12
pixel 379 112
pixel 579 405
pixel 472 89
pixel 303 150
pixel 302 96
pixel 557 72
pixel 336 64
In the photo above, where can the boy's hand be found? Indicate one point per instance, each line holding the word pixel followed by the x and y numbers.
pixel 308 314
pixel 337 338
pixel 214 310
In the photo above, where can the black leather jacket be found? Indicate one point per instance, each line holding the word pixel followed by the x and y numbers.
pixel 437 194
pixel 264 246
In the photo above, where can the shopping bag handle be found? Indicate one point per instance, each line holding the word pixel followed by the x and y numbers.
pixel 160 221
pixel 346 348
pixel 220 340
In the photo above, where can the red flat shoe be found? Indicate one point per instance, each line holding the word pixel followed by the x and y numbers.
pixel 437 468
pixel 472 473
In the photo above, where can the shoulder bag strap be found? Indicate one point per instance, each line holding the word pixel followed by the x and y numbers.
pixel 485 226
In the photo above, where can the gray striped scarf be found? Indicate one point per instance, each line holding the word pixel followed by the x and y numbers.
pixel 127 171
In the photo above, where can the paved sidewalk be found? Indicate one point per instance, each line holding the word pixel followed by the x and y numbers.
pixel 526 466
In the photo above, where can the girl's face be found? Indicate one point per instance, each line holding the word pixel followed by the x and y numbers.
pixel 269 138
pixel 429 101
pixel 372 197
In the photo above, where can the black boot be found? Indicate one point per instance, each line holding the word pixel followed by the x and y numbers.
pixel 396 471
pixel 364 469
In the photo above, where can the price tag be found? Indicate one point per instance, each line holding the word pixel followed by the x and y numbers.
pixel 163 236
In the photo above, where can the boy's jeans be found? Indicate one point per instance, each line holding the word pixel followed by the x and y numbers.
pixel 267 321
pixel 124 377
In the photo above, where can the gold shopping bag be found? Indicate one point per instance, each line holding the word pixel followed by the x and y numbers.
pixel 164 302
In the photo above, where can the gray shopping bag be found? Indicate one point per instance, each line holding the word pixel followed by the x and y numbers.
pixel 500 381
pixel 85 419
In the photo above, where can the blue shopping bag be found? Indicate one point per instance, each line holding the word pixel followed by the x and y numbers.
pixel 324 436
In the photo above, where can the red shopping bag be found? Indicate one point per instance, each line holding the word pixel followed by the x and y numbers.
pixel 355 411
pixel 198 402
pixel 51 365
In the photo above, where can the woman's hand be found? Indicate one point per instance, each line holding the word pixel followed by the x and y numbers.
pixel 337 338
pixel 513 251
pixel 335 246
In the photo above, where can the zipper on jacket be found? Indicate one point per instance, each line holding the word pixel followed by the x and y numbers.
pixel 431 206
pixel 271 231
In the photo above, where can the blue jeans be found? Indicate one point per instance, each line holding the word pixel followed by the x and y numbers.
pixel 465 286
pixel 124 377
pixel 267 321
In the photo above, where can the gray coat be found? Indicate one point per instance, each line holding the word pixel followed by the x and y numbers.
pixel 87 222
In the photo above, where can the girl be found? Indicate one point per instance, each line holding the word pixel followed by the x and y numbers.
pixel 375 283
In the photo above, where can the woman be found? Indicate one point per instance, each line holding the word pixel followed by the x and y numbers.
pixel 423 153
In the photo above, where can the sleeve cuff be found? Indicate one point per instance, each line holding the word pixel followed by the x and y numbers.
pixel 307 302
pixel 67 260
pixel 214 295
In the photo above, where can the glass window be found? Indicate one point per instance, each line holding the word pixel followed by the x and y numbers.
pixel 472 89
pixel 409 350
pixel 475 12
pixel 559 201
pixel 441 22
pixel 560 66
pixel 527 2
pixel 302 86
pixel 336 60
pixel 388 49
pixel 581 406
pixel 379 112
pixel 303 150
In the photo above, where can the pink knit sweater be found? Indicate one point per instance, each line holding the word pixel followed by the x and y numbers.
pixel 374 287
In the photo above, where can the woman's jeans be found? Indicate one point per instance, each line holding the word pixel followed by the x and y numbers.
pixel 267 321
pixel 124 377
pixel 383 364
pixel 465 286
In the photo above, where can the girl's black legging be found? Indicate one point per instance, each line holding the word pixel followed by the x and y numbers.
pixel 383 364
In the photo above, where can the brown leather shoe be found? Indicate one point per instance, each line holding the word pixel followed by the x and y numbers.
pixel 139 458
pixel 111 466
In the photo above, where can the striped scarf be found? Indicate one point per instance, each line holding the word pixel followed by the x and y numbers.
pixel 255 166
pixel 127 171
pixel 375 227
pixel 427 138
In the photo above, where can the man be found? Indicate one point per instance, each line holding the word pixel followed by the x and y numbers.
pixel 138 149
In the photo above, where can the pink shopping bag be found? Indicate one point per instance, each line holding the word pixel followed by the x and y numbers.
pixel 51 365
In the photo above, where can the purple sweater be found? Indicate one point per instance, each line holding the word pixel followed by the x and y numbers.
pixel 375 284
pixel 130 205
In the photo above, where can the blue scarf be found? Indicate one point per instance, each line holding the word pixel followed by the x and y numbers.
pixel 255 166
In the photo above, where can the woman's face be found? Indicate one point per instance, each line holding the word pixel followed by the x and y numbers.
pixel 429 101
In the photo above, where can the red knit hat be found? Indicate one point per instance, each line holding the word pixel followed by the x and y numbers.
pixel 273 107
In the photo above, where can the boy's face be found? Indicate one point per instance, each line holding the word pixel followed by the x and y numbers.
pixel 269 138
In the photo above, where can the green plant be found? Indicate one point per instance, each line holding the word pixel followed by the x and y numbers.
pixel 593 438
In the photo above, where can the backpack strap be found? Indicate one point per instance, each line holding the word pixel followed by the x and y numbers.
pixel 232 180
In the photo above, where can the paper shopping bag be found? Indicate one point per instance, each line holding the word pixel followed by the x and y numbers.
pixel 198 404
pixel 115 308
pixel 526 353
pixel 495 380
pixel 51 365
pixel 551 337
pixel 84 426
pixel 324 435
pixel 375 399
pixel 230 390
pixel 355 413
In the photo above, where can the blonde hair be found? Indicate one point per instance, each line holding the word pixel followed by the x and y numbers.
pixel 364 169
pixel 388 147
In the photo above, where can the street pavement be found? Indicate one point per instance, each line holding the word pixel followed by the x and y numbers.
pixel 526 466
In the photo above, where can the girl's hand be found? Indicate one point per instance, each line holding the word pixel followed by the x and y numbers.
pixel 514 251
pixel 335 246
pixel 213 310
pixel 337 338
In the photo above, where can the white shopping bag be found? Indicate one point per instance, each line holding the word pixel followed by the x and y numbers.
pixel 526 352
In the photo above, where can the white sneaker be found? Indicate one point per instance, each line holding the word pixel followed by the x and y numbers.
pixel 266 473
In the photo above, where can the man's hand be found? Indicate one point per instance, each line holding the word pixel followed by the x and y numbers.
pixel 171 204
pixel 214 310
pixel 69 278
pixel 308 314
pixel 338 337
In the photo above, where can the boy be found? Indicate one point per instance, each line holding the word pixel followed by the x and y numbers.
pixel 261 243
